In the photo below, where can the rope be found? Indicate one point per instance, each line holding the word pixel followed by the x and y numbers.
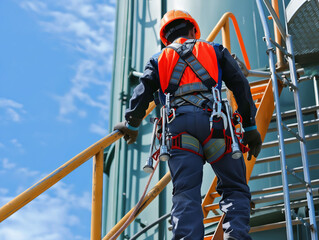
pixel 138 205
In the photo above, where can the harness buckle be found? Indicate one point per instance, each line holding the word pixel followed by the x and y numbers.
pixel 172 115
pixel 217 109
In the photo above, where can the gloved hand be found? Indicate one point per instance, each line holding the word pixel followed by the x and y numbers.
pixel 253 139
pixel 130 135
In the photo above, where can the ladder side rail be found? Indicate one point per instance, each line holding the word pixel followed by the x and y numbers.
pixel 303 147
pixel 289 230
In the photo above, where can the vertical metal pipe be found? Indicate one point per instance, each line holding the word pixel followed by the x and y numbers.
pixel 279 121
pixel 315 88
pixel 280 59
pixel 303 147
pixel 162 209
pixel 97 193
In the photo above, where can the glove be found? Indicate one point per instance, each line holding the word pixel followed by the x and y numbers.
pixel 130 135
pixel 253 139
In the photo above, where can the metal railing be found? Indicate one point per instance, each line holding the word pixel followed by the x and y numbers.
pixel 288 52
pixel 96 151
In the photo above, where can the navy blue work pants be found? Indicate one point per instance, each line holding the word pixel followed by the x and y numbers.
pixel 187 171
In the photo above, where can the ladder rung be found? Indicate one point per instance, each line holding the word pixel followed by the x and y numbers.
pixel 305 78
pixel 214 194
pixel 259 82
pixel 275 173
pixel 212 219
pixel 257 96
pixel 300 71
pixel 256 73
pixel 258 89
pixel 277 225
pixel 210 237
pixel 294 125
pixel 279 188
pixel 279 196
pixel 277 157
pixel 290 140
pixel 292 113
pixel 252 84
pixel 293 204
pixel 212 206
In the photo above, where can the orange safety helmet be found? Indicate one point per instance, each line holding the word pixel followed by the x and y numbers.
pixel 173 15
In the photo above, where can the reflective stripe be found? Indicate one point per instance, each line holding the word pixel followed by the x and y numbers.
pixel 214 149
pixel 199 70
pixel 185 141
pixel 176 76
pixel 190 142
pixel 190 88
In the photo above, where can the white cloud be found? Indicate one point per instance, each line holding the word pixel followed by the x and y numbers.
pixel 14 115
pixel 98 129
pixel 22 172
pixel 9 103
pixel 7 165
pixel 85 79
pixel 12 110
pixel 3 191
pixel 27 172
pixel 87 27
pixel 16 143
pixel 48 217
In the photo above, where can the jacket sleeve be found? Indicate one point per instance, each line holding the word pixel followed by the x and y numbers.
pixel 143 94
pixel 238 84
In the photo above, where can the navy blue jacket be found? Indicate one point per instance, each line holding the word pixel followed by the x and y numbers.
pixel 230 73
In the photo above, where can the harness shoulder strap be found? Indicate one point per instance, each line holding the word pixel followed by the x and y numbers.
pixel 187 58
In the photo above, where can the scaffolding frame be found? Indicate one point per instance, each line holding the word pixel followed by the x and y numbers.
pixel 289 54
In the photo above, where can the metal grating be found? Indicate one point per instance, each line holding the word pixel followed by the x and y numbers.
pixel 303 25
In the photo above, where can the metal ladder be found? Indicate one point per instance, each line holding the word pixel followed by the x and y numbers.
pixel 293 84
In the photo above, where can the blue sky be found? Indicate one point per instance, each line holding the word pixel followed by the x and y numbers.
pixel 55 78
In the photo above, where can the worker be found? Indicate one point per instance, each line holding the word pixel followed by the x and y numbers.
pixel 186 68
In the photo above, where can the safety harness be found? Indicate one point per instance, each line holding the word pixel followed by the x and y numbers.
pixel 202 94
pixel 185 93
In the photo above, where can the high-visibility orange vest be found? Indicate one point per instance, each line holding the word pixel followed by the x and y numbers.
pixel 169 58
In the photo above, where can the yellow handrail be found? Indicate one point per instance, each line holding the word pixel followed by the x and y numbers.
pixel 48 181
pixel 96 150
pixel 151 195
pixel 223 25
